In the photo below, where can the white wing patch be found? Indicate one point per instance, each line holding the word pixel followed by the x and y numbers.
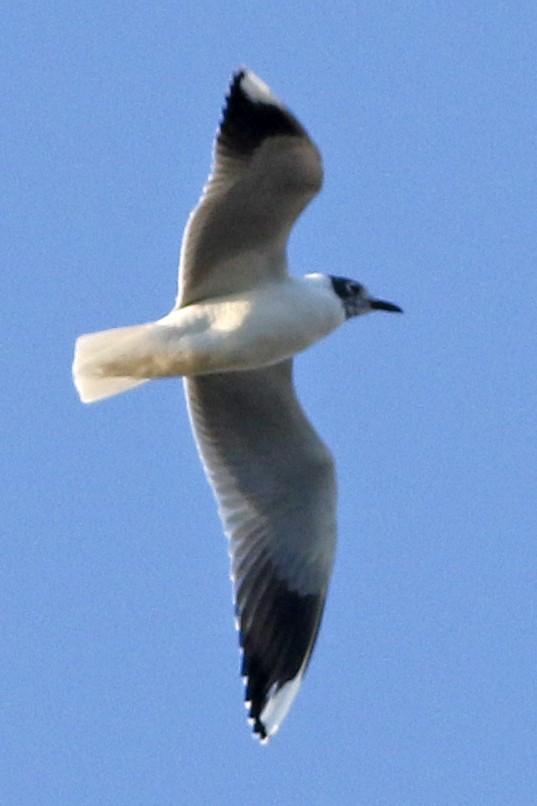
pixel 258 91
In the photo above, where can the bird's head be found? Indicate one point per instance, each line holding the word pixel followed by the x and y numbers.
pixel 357 300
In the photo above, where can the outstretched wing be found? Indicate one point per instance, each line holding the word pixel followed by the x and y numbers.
pixel 266 169
pixel 275 485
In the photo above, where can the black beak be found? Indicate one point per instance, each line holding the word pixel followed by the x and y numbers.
pixel 382 305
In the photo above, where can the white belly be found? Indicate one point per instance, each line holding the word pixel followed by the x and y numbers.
pixel 247 331
pixel 240 332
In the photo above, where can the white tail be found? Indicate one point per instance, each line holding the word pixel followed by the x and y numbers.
pixel 102 361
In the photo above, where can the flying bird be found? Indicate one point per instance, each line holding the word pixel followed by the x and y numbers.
pixel 238 320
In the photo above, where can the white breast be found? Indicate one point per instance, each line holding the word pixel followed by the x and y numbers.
pixel 253 329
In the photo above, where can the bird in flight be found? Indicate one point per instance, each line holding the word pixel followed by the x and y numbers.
pixel 238 320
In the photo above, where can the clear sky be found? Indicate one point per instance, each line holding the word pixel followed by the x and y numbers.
pixel 120 671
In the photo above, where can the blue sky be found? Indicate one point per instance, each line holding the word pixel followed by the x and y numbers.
pixel 120 679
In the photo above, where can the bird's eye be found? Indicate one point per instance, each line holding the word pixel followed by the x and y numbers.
pixel 347 289
pixel 353 288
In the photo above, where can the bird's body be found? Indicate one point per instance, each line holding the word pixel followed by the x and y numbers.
pixel 238 321
pixel 237 332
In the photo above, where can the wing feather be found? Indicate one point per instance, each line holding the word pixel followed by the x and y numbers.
pixel 266 169
pixel 275 486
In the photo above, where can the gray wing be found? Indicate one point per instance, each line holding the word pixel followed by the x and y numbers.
pixel 275 485
pixel 266 169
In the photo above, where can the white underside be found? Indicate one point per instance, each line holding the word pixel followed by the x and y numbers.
pixel 240 332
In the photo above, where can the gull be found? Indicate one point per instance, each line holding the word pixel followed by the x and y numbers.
pixel 238 320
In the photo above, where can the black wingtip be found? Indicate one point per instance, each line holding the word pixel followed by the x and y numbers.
pixel 276 644
pixel 252 114
pixel 258 729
